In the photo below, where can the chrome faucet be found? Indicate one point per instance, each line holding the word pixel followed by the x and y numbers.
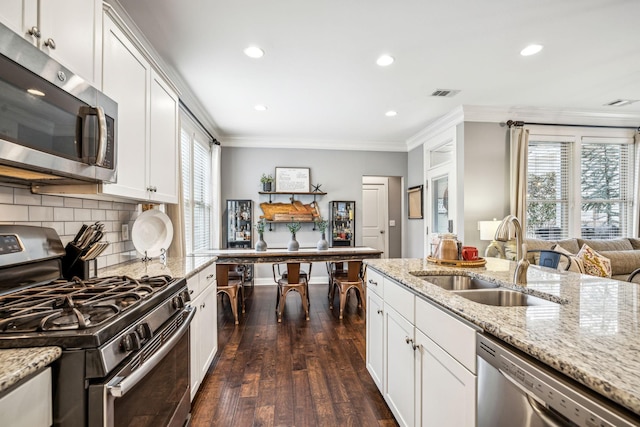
pixel 503 234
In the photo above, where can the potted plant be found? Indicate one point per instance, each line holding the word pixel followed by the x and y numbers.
pixel 293 227
pixel 322 226
pixel 266 181
pixel 261 246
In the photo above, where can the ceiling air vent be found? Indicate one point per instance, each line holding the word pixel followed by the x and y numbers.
pixel 620 102
pixel 448 93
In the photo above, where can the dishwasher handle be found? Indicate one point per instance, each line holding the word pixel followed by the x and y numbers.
pixel 551 418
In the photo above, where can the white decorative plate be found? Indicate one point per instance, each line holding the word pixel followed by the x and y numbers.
pixel 151 232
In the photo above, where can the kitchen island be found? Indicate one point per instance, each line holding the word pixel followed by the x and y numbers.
pixel 591 335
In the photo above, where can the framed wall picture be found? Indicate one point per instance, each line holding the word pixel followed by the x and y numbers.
pixel 415 202
pixel 292 180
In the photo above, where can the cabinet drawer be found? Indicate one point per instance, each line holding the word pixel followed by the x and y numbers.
pixel 207 277
pixel 375 282
pixel 401 299
pixel 453 335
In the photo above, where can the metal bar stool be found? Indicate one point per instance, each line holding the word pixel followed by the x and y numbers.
pixel 353 279
pixel 292 280
pixel 230 287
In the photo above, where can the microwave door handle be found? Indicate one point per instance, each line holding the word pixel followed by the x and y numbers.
pixel 83 112
pixel 119 386
pixel 101 152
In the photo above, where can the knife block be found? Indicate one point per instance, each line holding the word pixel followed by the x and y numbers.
pixel 73 266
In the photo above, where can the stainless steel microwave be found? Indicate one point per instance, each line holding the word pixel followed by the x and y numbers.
pixel 55 128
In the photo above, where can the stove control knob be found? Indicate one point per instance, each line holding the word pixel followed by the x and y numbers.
pixel 178 302
pixel 144 331
pixel 131 342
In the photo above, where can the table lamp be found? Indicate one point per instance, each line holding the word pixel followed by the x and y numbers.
pixel 488 232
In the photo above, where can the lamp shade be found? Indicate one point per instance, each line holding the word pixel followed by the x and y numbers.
pixel 488 229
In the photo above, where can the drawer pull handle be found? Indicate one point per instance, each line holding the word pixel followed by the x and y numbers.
pixel 210 276
pixel 373 282
pixel 379 311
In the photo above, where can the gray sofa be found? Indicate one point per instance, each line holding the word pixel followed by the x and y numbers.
pixel 624 253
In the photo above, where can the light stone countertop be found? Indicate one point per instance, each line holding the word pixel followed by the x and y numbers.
pixel 592 337
pixel 176 267
pixel 19 363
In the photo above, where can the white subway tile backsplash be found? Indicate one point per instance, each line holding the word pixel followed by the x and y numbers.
pixel 82 214
pixel 70 202
pixel 11 213
pixel 89 204
pixel 23 196
pixel 40 213
pixel 66 215
pixel 6 195
pixel 63 214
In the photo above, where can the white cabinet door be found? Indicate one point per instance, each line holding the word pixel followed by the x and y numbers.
pixel 446 391
pixel 71 34
pixel 400 374
pixel 125 78
pixel 163 143
pixel 19 16
pixel 375 338
pixel 204 328
pixel 30 404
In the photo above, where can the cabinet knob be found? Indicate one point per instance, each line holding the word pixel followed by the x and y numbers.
pixel 408 340
pixel 203 305
pixel 50 43
pixel 379 311
pixel 35 32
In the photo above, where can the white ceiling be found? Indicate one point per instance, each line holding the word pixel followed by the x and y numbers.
pixel 320 81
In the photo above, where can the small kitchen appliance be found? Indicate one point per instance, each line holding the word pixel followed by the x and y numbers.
pixel 125 341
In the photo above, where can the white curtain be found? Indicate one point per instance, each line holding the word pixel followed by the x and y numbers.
pixel 636 186
pixel 519 148
pixel 216 202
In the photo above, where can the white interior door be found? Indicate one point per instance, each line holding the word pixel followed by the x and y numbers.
pixel 375 207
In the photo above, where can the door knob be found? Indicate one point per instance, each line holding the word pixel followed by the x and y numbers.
pixel 381 231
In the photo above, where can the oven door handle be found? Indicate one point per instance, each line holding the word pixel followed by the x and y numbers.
pixel 119 386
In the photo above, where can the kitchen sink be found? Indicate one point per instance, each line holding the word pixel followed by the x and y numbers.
pixel 502 297
pixel 452 282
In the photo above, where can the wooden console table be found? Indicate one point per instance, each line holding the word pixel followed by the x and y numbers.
pixel 250 256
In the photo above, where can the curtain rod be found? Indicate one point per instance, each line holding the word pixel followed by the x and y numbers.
pixel 193 116
pixel 521 123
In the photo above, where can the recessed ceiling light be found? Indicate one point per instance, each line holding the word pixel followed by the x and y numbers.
pixel 385 60
pixel 532 49
pixel 254 52
pixel 35 92
pixel 391 113
pixel 260 107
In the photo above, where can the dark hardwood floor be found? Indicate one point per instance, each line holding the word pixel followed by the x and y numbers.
pixel 296 373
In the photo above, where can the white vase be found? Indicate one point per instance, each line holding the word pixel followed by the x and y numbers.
pixel 323 245
pixel 261 246
pixel 293 244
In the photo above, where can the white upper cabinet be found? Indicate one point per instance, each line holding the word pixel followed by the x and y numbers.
pixel 147 121
pixel 70 31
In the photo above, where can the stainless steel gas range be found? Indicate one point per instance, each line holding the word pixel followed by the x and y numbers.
pixel 125 341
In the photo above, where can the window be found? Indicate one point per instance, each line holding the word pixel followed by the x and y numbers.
pixel 579 183
pixel 196 186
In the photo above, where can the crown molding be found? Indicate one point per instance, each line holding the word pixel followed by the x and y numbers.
pixel 491 114
pixel 317 144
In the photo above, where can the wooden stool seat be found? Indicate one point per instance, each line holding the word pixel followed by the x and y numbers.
pixel 231 287
pixel 292 280
pixel 353 279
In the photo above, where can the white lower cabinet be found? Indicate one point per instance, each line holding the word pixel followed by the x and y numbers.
pixel 375 338
pixel 30 404
pixel 427 372
pixel 399 390
pixel 447 389
pixel 204 330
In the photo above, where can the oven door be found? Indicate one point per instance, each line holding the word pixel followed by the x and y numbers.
pixel 152 389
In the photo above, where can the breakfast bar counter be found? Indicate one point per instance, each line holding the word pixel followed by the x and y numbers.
pixel 591 335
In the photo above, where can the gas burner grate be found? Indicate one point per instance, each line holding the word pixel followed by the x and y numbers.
pixel 75 304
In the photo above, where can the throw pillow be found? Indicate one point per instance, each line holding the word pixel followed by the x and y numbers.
pixel 594 263
pixel 575 262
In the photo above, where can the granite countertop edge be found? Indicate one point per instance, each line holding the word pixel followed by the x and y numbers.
pixel 606 364
pixel 17 364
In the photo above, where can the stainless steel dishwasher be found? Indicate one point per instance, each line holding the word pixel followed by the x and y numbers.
pixel 515 390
